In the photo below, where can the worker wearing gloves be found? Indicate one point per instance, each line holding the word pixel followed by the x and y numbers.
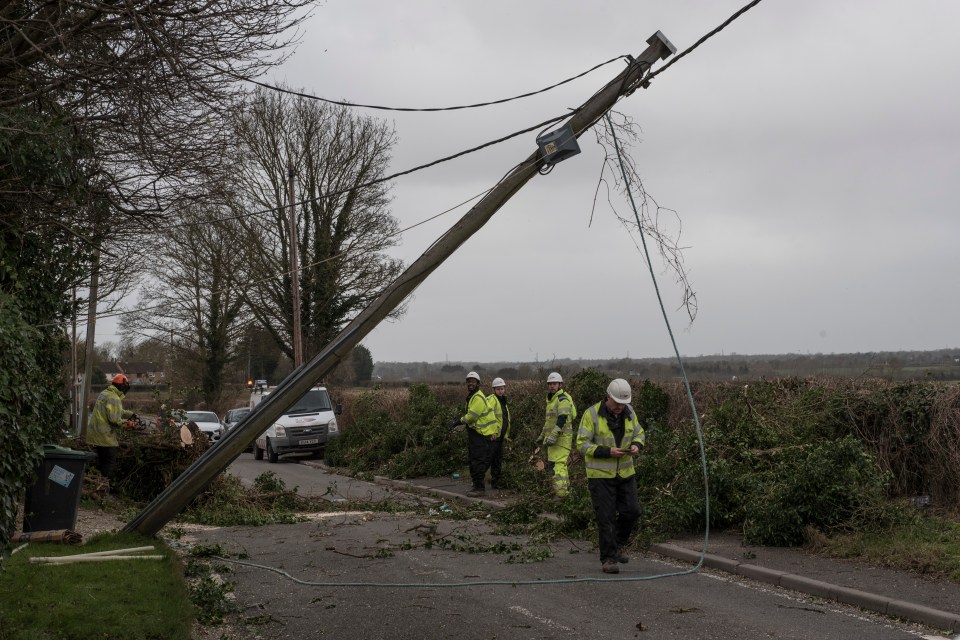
pixel 107 418
pixel 501 413
pixel 557 435
pixel 610 436
pixel 481 433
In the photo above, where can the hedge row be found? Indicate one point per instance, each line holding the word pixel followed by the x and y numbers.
pixel 782 455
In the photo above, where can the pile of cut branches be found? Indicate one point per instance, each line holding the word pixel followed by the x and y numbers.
pixel 148 459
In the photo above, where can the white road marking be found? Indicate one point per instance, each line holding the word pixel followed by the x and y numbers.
pixel 546 621
pixel 323 515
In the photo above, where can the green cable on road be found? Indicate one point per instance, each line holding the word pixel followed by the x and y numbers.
pixel 443 585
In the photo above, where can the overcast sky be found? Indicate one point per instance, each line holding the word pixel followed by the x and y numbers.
pixel 811 151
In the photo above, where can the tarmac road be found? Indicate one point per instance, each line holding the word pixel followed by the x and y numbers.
pixel 308 480
pixel 388 549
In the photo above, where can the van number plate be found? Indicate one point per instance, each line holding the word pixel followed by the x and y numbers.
pixel 310 441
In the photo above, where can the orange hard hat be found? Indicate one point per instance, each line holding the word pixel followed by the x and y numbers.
pixel 120 378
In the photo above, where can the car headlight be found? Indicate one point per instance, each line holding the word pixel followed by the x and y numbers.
pixel 280 431
pixel 332 426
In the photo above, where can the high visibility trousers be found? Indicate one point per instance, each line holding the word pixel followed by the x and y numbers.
pixel 557 456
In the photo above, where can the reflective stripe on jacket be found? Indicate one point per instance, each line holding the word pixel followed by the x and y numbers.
pixel 498 409
pixel 561 404
pixel 479 415
pixel 594 433
pixel 108 415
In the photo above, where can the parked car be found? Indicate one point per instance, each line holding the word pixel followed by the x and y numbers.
pixel 233 417
pixel 208 422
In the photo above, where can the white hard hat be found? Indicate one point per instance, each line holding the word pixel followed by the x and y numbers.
pixel 554 377
pixel 498 382
pixel 474 375
pixel 619 390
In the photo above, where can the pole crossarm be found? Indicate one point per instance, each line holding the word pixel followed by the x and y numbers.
pixel 216 459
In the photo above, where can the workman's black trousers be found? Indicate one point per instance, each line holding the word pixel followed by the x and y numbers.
pixel 496 462
pixel 106 461
pixel 479 449
pixel 617 509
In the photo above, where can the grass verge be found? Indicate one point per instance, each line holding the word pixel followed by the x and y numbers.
pixel 929 545
pixel 129 599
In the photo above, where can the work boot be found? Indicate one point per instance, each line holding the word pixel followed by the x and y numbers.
pixel 476 492
pixel 610 566
pixel 622 558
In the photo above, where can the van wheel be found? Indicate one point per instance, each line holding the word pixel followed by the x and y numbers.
pixel 257 452
pixel 272 456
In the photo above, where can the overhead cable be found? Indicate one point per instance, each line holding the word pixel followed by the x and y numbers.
pixel 706 37
pixel 315 263
pixel 644 81
pixel 347 103
pixel 377 180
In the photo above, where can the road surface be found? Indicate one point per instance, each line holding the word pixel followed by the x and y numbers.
pixel 400 555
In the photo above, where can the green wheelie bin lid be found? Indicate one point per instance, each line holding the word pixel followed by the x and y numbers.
pixel 56 452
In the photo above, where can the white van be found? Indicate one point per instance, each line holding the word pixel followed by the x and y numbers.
pixel 307 426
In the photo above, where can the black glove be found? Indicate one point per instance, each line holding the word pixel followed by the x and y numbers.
pixel 454 423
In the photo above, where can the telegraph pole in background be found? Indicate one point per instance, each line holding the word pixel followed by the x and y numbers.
pixel 294 275
pixel 75 403
pixel 91 336
pixel 169 367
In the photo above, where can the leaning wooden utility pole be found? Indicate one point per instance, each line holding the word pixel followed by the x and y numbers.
pixel 196 477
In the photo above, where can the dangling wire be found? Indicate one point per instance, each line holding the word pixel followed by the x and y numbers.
pixel 673 341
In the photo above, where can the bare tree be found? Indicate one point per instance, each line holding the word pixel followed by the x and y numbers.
pixel 343 222
pixel 120 109
pixel 111 114
pixel 194 294
pixel 145 81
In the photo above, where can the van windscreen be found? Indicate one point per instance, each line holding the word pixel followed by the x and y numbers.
pixel 313 401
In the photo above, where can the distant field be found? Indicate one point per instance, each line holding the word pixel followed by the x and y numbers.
pixel 892 366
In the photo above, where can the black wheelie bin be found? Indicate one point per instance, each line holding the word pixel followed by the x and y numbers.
pixel 51 503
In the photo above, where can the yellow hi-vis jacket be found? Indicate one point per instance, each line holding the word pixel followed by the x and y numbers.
pixel 479 415
pixel 561 404
pixel 108 415
pixel 595 433
pixel 498 410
